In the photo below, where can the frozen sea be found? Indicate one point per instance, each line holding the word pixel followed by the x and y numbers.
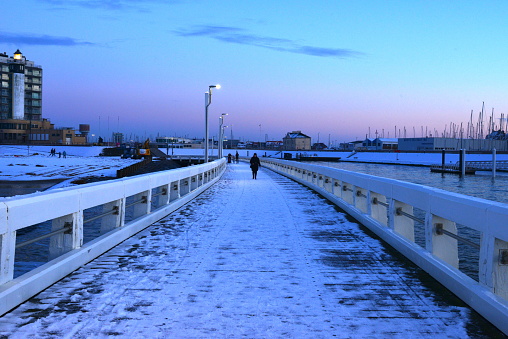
pixel 264 258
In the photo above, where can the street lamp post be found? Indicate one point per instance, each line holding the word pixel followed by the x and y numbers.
pixel 221 134
pixel 208 101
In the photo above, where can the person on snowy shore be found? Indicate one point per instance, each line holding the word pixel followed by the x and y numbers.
pixel 254 165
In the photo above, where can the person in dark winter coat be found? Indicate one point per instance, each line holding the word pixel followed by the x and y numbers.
pixel 254 165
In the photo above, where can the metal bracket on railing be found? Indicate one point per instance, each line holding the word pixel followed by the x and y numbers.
pixel 116 210
pixel 144 199
pixel 68 227
pixel 503 257
pixel 193 179
pixel 164 191
pixel 186 183
pixel 344 188
pixel 327 180
pixel 175 187
pixel 360 194
pixel 375 201
pixel 337 184
pixel 439 230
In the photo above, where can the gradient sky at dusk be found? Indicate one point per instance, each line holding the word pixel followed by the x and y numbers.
pixel 330 67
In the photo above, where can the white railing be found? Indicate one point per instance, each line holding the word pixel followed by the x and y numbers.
pixel 122 208
pixel 399 212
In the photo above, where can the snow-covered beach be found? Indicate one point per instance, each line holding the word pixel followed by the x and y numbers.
pixel 19 164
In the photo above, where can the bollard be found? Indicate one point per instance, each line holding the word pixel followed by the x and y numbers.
pixel 462 162
pixel 494 162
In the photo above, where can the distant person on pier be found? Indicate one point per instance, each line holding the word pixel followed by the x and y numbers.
pixel 254 165
pixel 229 158
pixel 237 156
pixel 64 154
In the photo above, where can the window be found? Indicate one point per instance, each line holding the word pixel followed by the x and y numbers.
pixel 5 68
pixel 5 76
pixel 5 84
pixel 36 88
pixel 36 95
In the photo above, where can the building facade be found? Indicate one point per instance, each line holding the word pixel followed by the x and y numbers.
pixel 21 88
pixel 296 141
pixel 21 120
pixel 380 144
pixel 451 144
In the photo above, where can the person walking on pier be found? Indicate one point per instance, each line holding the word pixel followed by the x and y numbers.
pixel 237 156
pixel 254 165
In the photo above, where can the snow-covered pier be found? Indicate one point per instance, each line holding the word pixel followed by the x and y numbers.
pixel 265 258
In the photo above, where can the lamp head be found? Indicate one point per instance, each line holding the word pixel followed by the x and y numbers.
pixel 214 86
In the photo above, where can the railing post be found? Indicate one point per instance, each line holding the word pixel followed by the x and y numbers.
pixel 113 220
pixel 64 242
pixel 500 269
pixel 194 183
pixel 378 208
pixel 336 187
pixel 143 207
pixel 360 199
pixel 175 191
pixel 443 246
pixel 185 186
pixel 7 253
pixel 347 193
pixel 401 224
pixel 163 198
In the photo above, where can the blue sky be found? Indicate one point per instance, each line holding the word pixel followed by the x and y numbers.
pixel 333 68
